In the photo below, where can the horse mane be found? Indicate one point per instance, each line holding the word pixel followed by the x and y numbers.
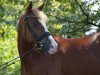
pixel 39 14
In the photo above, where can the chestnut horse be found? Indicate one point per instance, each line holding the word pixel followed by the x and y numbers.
pixel 58 56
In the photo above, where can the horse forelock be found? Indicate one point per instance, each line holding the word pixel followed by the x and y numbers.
pixel 39 14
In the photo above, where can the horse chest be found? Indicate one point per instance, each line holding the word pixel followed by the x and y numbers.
pixel 44 66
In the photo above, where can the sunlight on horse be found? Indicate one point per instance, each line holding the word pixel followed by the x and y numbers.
pixel 51 54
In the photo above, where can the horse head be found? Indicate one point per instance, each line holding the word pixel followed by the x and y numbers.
pixel 34 28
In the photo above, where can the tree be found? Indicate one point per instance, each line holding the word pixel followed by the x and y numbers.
pixel 73 17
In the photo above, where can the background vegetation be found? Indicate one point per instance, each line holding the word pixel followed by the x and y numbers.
pixel 67 18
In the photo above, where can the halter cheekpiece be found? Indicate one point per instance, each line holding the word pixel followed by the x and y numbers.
pixel 37 39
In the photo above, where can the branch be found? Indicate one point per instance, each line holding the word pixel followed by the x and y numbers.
pixel 82 21
pixel 81 8
pixel 87 22
pixel 93 24
pixel 76 30
pixel 87 15
pixel 69 21
pixel 83 11
pixel 74 21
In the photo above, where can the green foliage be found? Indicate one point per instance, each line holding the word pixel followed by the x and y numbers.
pixel 8 50
pixel 66 19
pixel 73 20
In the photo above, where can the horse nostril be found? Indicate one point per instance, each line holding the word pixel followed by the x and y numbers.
pixel 51 46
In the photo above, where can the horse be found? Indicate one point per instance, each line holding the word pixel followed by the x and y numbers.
pixel 52 54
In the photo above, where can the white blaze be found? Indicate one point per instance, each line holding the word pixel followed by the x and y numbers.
pixel 54 44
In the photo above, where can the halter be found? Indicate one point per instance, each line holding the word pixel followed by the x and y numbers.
pixel 34 35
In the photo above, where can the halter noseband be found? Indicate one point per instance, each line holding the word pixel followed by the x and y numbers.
pixel 39 39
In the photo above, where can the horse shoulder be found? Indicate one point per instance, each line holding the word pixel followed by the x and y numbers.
pixel 63 43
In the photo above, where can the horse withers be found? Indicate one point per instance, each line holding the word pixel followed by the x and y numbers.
pixel 57 56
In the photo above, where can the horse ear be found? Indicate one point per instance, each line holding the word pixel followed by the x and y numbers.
pixel 41 7
pixel 29 8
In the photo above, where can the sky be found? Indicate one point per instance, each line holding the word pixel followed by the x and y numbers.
pixel 95 7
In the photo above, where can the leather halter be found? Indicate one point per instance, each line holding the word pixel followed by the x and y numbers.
pixel 34 35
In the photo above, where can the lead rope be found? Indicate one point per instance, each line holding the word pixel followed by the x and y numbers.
pixel 5 65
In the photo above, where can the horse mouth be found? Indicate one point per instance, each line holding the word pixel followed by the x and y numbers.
pixel 53 48
pixel 52 51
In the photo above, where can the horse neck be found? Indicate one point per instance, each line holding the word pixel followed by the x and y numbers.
pixel 58 39
pixel 70 43
pixel 23 46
